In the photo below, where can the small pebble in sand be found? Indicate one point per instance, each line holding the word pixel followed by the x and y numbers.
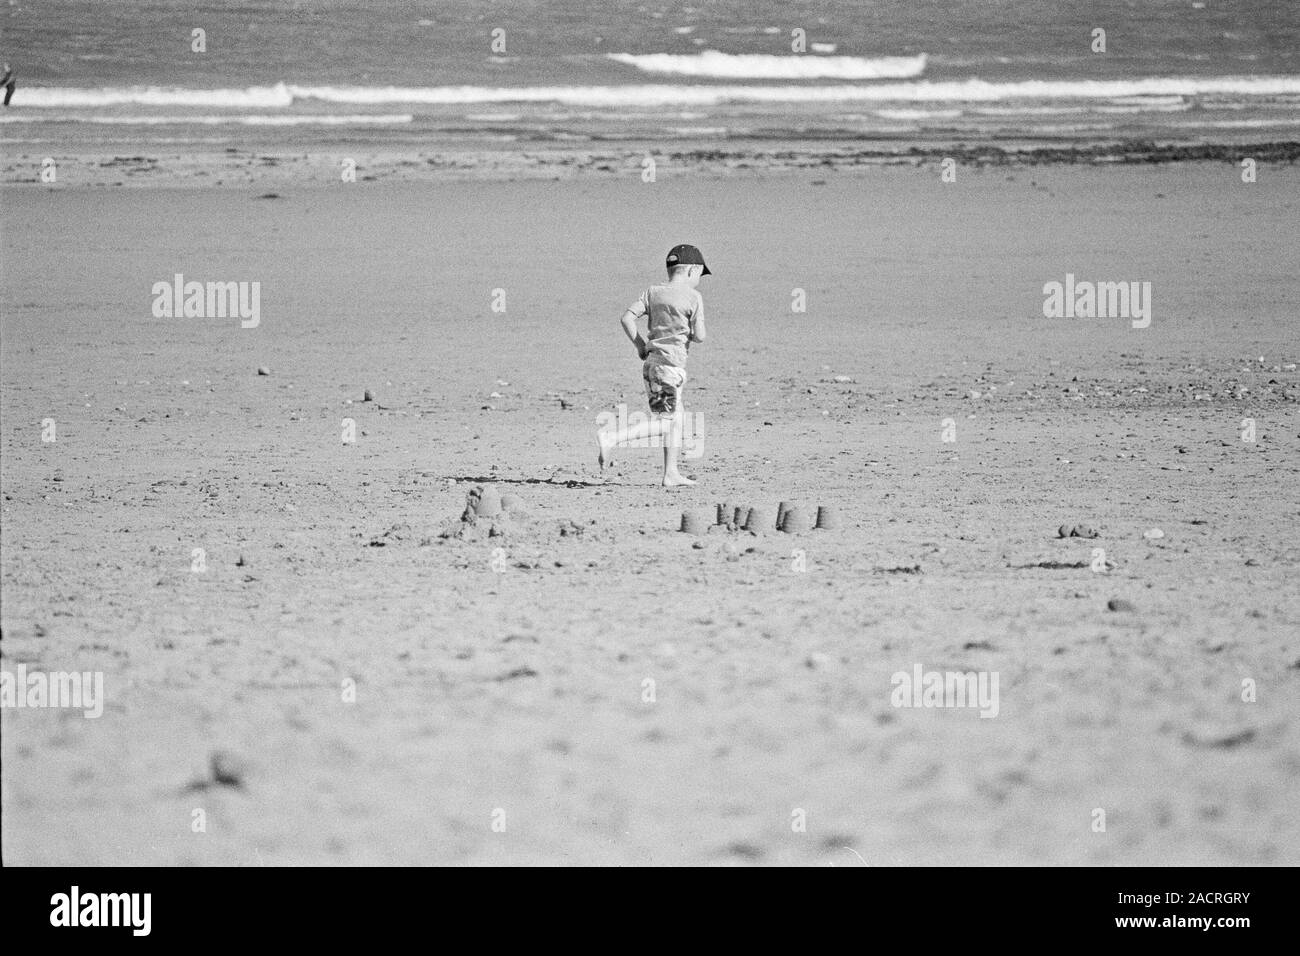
pixel 1119 604
pixel 1083 531
pixel 263 370
pixel 1064 531
pixel 369 396
pixel 1153 535
pixel 227 768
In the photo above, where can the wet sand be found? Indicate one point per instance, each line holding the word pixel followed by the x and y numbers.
pixel 519 696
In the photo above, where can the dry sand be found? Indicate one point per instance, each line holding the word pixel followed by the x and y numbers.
pixel 523 690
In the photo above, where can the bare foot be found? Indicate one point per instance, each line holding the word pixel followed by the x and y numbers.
pixel 604 451
pixel 672 481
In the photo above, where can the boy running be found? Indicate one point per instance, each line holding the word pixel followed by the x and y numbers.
pixel 674 315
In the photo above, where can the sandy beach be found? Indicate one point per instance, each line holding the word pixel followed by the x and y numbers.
pixel 500 712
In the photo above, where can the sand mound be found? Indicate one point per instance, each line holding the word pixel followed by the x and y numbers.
pixel 487 514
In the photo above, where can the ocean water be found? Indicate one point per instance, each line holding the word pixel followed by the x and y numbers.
pixel 562 71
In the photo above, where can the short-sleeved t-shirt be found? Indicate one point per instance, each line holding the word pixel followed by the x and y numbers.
pixel 673 311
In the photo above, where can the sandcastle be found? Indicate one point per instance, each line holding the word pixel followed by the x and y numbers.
pixel 794 520
pixel 486 502
pixel 756 520
pixel 487 514
pixel 1077 531
pixel 693 522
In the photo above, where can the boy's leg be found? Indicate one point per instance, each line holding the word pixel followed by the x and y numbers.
pixel 613 437
pixel 672 445
pixel 607 440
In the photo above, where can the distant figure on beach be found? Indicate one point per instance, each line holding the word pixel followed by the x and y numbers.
pixel 674 315
pixel 8 83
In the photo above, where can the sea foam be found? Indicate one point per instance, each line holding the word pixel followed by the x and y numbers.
pixel 283 95
pixel 758 66
pixel 228 119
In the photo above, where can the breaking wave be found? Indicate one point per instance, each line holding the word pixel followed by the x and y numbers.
pixel 759 66
pixel 281 95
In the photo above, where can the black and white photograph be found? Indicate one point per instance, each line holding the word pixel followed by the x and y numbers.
pixel 503 433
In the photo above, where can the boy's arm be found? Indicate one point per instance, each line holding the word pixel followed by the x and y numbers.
pixel 634 311
pixel 697 322
pixel 630 330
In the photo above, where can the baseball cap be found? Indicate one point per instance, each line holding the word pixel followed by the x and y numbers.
pixel 686 255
